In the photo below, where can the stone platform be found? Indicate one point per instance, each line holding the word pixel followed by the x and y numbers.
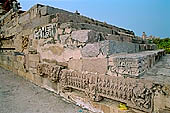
pixel 69 84
pixel 66 52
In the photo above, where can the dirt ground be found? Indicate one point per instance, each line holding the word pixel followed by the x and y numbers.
pixel 20 96
pixel 160 72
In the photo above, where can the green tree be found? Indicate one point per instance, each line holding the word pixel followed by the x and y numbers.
pixel 163 44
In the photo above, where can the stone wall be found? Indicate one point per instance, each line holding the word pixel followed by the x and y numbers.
pixel 133 64
pixel 65 51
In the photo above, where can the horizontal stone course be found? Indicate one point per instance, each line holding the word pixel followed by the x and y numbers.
pixel 135 64
pixel 53 46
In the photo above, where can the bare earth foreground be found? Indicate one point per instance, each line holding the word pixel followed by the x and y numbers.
pixel 20 96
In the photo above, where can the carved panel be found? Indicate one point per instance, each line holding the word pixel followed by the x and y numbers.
pixel 136 93
pixel 127 66
pixel 49 71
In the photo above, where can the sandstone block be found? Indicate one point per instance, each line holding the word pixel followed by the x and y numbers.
pixel 109 47
pixel 91 50
pixel 24 18
pixel 105 109
pixel 159 102
pixel 98 65
pixel 75 64
pixel 84 36
pixel 63 38
pixel 43 11
pixel 47 10
pixel 34 57
pixel 32 64
pixel 40 21
pixel 168 102
pixel 29 76
pixel 56 50
pixel 34 43
pixel 72 54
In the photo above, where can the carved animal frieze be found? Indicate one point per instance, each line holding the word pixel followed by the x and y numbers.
pixel 136 93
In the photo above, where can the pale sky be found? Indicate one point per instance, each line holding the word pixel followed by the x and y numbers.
pixel 150 16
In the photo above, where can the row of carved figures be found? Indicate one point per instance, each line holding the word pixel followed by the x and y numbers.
pixel 135 93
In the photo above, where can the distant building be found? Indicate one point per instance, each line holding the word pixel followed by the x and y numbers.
pixel 145 37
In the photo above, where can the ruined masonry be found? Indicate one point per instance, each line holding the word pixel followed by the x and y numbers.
pixel 71 54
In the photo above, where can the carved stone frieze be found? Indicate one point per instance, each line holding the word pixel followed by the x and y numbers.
pixel 132 64
pixel 136 93
pixel 49 71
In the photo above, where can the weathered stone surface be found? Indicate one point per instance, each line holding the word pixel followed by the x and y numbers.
pixel 25 17
pixel 63 38
pixel 49 71
pixel 91 50
pixel 126 90
pixel 110 47
pixel 56 50
pixel 34 57
pixel 83 54
pixel 84 36
pixel 18 43
pixel 47 10
pixel 135 64
pixel 119 38
pixel 72 54
pixel 75 64
pixel 98 65
pixel 68 30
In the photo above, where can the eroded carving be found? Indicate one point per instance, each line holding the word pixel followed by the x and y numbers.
pixel 131 64
pixel 136 93
pixel 49 71
pixel 25 42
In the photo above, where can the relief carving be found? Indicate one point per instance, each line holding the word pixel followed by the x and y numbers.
pixel 127 66
pixel 25 42
pixel 49 71
pixel 136 93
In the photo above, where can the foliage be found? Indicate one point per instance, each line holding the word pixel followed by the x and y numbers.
pixel 163 44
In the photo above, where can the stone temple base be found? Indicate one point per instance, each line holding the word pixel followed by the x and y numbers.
pixel 106 105
pixel 88 62
pixel 74 96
